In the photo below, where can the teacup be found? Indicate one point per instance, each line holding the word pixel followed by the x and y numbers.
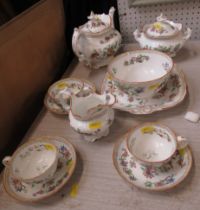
pixel 33 162
pixel 140 73
pixel 154 144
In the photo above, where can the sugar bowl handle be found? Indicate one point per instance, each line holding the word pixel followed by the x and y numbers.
pixel 6 161
pixel 182 142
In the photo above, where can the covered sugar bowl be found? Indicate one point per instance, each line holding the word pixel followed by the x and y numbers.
pixel 163 35
pixel 97 41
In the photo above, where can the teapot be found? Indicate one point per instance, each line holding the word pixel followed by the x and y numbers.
pixel 97 41
pixel 92 115
pixel 163 35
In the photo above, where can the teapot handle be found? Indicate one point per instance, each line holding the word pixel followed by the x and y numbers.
pixel 6 161
pixel 75 40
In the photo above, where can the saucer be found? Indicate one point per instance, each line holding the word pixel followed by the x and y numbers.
pixel 31 192
pixel 157 178
pixel 58 95
pixel 170 95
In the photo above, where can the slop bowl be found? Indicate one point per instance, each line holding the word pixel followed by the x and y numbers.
pixel 140 73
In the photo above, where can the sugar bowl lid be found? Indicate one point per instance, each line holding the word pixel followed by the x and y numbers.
pixel 97 23
pixel 162 28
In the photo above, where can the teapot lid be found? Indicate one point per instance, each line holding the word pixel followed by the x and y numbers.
pixel 162 28
pixel 97 23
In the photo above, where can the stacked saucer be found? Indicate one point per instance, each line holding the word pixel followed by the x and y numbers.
pixel 57 99
pixel 144 82
pixel 39 169
pixel 152 157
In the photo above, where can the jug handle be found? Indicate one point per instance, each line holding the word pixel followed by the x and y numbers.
pixel 182 142
pixel 75 40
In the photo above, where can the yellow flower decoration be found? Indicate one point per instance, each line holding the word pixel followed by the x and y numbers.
pixel 48 147
pixel 181 151
pixel 109 77
pixel 74 190
pixel 153 87
pixel 95 125
pixel 158 26
pixel 62 85
pixel 147 129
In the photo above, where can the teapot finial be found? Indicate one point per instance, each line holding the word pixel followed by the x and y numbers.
pixel 92 15
pixel 111 14
pixel 161 17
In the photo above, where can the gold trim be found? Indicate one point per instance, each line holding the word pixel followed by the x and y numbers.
pixel 83 81
pixel 180 74
pixel 138 51
pixel 116 146
pixel 47 138
pixel 152 124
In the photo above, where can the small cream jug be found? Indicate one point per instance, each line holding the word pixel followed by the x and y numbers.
pixel 97 41
pixel 92 115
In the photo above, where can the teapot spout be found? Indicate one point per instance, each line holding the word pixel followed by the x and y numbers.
pixel 111 14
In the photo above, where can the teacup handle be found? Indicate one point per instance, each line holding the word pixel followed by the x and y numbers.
pixel 6 161
pixel 182 142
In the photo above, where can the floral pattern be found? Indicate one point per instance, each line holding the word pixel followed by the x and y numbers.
pixel 171 50
pixel 37 190
pixel 107 51
pixel 171 92
pixel 109 37
pixel 148 176
pixel 136 59
pixel 59 100
pixel 160 132
pixel 158 28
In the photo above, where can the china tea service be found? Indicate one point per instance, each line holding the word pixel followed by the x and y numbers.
pixel 150 156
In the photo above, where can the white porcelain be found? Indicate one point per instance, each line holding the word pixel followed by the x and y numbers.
pixel 140 72
pixel 33 162
pixel 153 143
pixel 97 41
pixel 171 94
pixel 57 99
pixel 91 106
pixel 92 115
pixel 148 177
pixel 163 35
pixel 32 192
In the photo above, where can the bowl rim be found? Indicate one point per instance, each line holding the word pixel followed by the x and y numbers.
pixel 26 145
pixel 138 51
pixel 149 124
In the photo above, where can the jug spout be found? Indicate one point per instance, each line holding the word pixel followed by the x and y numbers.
pixel 91 106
